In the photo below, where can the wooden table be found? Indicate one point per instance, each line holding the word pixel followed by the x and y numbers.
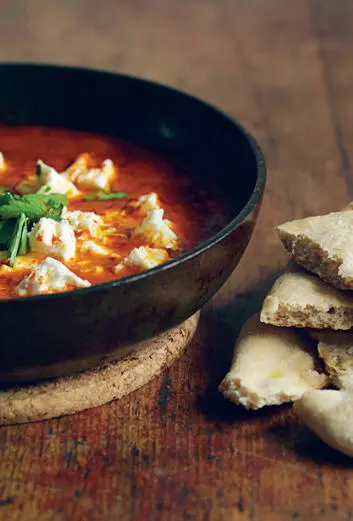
pixel 175 450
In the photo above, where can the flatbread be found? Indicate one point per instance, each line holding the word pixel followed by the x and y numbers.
pixel 323 245
pixel 270 366
pixel 300 299
pixel 329 414
pixel 96 387
pixel 336 350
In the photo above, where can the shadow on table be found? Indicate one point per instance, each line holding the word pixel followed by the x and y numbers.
pixel 299 439
pixel 223 327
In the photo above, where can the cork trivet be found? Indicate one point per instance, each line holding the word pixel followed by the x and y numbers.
pixel 98 386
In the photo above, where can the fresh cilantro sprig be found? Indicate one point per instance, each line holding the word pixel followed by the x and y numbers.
pixel 34 206
pixel 18 241
pixel 19 212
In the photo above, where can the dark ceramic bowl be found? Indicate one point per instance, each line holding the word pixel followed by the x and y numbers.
pixel 52 335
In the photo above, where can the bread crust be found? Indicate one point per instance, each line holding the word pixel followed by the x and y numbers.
pixel 301 299
pixel 323 245
pixel 270 366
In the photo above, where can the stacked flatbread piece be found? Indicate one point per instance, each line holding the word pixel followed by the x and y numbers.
pixel 302 340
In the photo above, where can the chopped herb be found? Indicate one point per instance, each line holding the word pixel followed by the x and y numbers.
pixel 56 210
pixel 16 211
pixel 43 190
pixel 55 205
pixel 15 240
pixel 23 248
pixel 53 216
pixel 34 206
pixel 105 196
pixel 39 167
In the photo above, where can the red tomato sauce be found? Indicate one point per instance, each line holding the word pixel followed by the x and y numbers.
pixel 139 172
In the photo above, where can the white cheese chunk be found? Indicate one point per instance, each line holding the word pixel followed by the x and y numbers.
pixel 48 277
pixel 5 269
pixel 84 221
pixel 95 249
pixel 77 167
pixel 143 257
pixel 58 183
pixel 2 162
pixel 50 237
pixel 148 202
pixel 97 178
pixel 157 231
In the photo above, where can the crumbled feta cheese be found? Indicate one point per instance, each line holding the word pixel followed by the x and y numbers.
pixel 58 183
pixel 48 277
pixel 2 162
pixel 5 269
pixel 84 221
pixel 95 249
pixel 148 202
pixel 50 237
pixel 156 230
pixel 97 178
pixel 77 167
pixel 143 257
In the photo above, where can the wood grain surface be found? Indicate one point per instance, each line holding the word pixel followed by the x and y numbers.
pixel 175 450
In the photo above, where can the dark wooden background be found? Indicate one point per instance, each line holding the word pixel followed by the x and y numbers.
pixel 175 450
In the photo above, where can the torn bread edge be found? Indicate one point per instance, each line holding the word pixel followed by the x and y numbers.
pixel 270 366
pixel 336 351
pixel 300 299
pixel 322 244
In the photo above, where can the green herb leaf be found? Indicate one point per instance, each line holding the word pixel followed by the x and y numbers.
pixel 16 239
pixel 17 210
pixel 55 204
pixel 53 199
pixel 23 247
pixel 34 206
pixel 56 209
pixel 39 166
pixel 105 196
pixel 43 190
pixel 3 189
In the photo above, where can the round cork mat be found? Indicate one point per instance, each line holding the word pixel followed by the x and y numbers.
pixel 98 386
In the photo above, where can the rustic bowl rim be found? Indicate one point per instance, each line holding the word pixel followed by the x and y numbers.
pixel 250 205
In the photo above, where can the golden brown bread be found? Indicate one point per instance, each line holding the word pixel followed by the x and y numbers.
pixel 329 414
pixel 301 299
pixel 270 366
pixel 323 245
